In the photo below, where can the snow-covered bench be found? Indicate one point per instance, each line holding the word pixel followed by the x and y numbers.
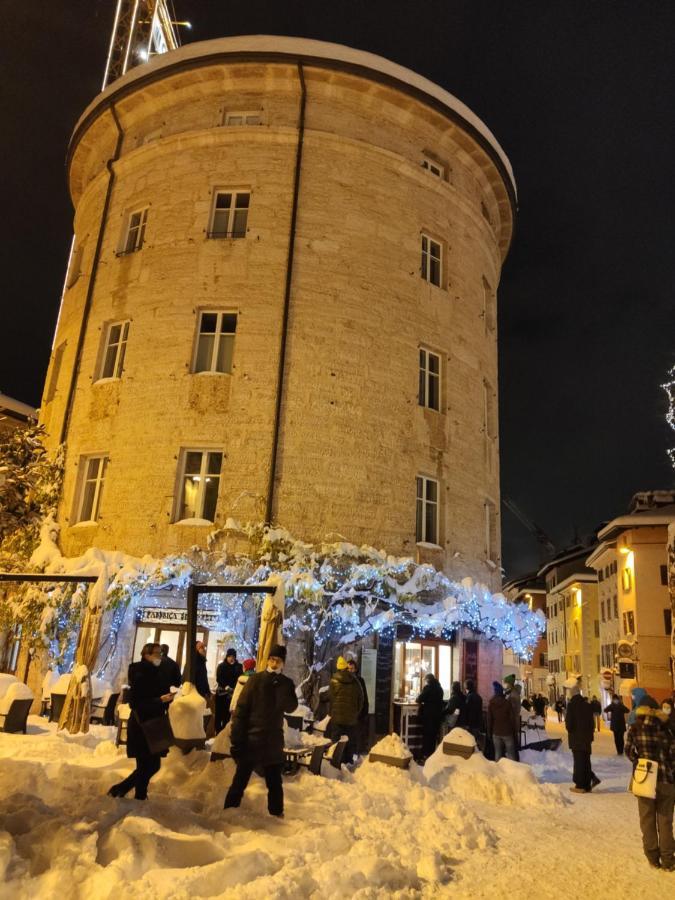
pixel 15 704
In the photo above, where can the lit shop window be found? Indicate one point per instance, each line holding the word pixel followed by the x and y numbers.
pixel 426 530
pixel 114 349
pixel 243 118
pixel 229 214
pixel 414 660
pixel 134 233
pixel 433 167
pixel 432 260
pixel 200 479
pixel 430 380
pixel 92 478
pixel 215 342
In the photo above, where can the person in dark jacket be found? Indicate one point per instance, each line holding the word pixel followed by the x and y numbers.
pixel 473 709
pixel 147 702
pixel 457 704
pixel 346 702
pixel 596 708
pixel 227 675
pixel 257 731
pixel 200 677
pixel 580 729
pixel 432 704
pixel 169 671
pixel 500 724
pixel 539 703
pixel 651 738
pixel 362 724
pixel 559 707
pixel 617 721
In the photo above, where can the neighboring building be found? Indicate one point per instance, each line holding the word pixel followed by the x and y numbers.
pixel 14 414
pixel 529 589
pixel 632 565
pixel 281 305
pixel 573 629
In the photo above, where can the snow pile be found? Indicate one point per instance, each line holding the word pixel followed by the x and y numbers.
pixel 60 686
pixel 505 783
pixel 460 736
pixel 186 714
pixel 48 683
pixel 6 681
pixel 393 746
pixel 16 691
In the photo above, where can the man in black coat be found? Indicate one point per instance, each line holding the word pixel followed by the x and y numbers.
pixel 147 702
pixel 257 736
pixel 362 725
pixel 617 722
pixel 473 709
pixel 169 671
pixel 432 707
pixel 580 726
pixel 227 675
pixel 200 676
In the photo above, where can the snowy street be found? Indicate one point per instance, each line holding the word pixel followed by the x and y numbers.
pixel 455 829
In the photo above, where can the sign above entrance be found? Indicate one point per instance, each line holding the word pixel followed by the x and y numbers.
pixel 162 615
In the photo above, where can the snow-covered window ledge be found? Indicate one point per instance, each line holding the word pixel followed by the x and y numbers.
pixel 201 522
pixel 110 380
pixel 425 545
pixel 491 563
pixel 88 523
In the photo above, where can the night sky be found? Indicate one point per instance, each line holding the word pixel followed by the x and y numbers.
pixel 580 95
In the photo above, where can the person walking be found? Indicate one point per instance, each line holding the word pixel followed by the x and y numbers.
pixel 650 737
pixel 500 724
pixel 580 730
pixel 362 724
pixel 559 707
pixel 147 701
pixel 596 708
pixel 513 695
pixel 257 731
pixel 248 669
pixel 456 705
pixel 431 703
pixel 227 675
pixel 473 709
pixel 169 671
pixel 346 700
pixel 617 713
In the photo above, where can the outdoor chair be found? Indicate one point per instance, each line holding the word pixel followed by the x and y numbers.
pixel 338 753
pixel 121 737
pixel 14 721
pixel 104 713
pixel 296 722
pixel 313 761
pixel 56 707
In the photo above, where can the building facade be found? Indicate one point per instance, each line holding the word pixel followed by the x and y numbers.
pixel 533 673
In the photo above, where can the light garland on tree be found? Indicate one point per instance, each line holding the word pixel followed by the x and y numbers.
pixel 669 388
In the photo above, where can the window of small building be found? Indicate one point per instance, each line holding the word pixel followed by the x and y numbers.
pixel 114 350
pixel 426 528
pixel 214 347
pixel 92 475
pixel 134 231
pixel 431 260
pixel 199 481
pixel 229 214
pixel 429 392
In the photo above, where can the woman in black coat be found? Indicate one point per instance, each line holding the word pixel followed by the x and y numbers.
pixel 432 707
pixel 147 702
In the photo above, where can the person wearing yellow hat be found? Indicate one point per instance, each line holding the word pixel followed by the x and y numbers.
pixel 346 700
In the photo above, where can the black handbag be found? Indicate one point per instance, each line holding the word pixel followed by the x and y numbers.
pixel 157 733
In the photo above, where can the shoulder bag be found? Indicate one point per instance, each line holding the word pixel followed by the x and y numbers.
pixel 157 733
pixel 645 776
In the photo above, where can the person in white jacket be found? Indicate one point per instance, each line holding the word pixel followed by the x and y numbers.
pixel 249 669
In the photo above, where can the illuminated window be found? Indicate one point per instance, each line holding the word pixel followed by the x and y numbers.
pixel 432 260
pixel 215 342
pixel 430 380
pixel 626 580
pixel 426 530
pixel 229 215
pixel 92 478
pixel 134 233
pixel 114 350
pixel 199 483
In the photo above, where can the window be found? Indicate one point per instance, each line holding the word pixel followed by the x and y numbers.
pixel 629 623
pixel 490 531
pixel 243 118
pixel 616 607
pixel 597 628
pixel 432 260
pixel 135 231
pixel 54 374
pixel 600 575
pixel 426 529
pixel 626 580
pixel 664 574
pixel 433 167
pixel 602 610
pixel 92 477
pixel 542 660
pixel 489 308
pixel 668 621
pixel 74 264
pixel 115 347
pixel 215 342
pixel 199 482
pixel 230 214
pixel 430 380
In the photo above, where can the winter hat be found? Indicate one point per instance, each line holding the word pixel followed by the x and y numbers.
pixel 342 663
pixel 498 689
pixel 278 651
pixel 231 652
pixel 248 665
pixel 510 680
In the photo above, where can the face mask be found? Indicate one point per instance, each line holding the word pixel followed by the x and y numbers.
pixel 275 668
pixel 155 661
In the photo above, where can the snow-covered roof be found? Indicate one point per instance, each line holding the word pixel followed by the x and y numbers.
pixel 16 408
pixel 661 515
pixel 312 52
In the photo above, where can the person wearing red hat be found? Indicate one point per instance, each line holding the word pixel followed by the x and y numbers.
pixel 248 666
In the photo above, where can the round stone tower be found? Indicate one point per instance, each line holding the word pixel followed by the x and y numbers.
pixel 281 305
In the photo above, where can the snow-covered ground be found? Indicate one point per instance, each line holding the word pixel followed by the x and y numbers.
pixel 456 829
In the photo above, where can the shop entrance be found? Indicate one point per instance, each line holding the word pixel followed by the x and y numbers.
pixel 414 660
pixel 173 635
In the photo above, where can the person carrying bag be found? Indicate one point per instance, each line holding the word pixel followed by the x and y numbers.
pixel 149 734
pixel 650 746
